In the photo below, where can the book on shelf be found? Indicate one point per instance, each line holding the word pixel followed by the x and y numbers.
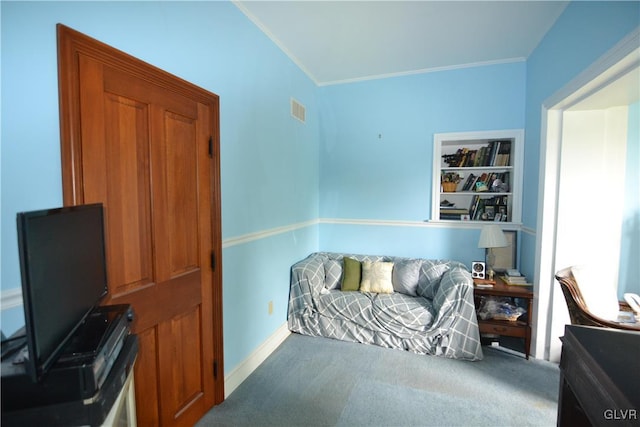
pixel 471 179
pixel 493 150
pixel 483 285
pixel 496 153
pixel 515 280
pixel 453 209
pixel 479 159
pixel 504 154
pixel 453 213
pixel 489 209
pixel 475 200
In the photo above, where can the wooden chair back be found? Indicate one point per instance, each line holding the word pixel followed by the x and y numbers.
pixel 578 310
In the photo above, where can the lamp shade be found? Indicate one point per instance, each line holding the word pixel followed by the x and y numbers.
pixel 492 236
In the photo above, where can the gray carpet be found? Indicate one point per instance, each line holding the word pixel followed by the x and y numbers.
pixel 311 381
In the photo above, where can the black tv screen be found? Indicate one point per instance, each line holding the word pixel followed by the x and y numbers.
pixel 64 276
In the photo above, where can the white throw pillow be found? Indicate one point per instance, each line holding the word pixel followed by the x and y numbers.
pixel 376 277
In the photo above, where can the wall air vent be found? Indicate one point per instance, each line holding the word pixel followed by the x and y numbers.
pixel 297 110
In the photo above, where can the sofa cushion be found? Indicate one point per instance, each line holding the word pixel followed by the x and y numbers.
pixel 405 276
pixel 332 273
pixel 401 314
pixel 376 277
pixel 351 274
pixel 347 306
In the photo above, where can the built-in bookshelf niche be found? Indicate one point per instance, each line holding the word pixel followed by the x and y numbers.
pixel 477 176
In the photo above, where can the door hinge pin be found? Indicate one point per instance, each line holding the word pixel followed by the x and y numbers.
pixel 211 146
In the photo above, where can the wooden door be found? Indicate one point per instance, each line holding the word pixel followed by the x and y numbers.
pixel 145 144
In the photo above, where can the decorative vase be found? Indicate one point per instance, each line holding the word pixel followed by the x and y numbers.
pixel 449 187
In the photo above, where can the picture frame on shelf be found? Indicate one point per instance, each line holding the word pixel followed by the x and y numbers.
pixel 490 212
pixel 507 257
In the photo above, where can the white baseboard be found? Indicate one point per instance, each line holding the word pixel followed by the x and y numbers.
pixel 244 369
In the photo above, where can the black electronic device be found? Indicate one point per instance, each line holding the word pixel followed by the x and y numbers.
pixel 80 371
pixel 92 411
pixel 62 261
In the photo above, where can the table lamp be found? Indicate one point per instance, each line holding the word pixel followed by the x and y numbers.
pixel 491 237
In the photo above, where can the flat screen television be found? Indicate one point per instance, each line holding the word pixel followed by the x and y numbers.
pixel 64 276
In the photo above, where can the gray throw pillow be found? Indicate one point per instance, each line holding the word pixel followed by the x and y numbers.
pixel 332 274
pixel 405 276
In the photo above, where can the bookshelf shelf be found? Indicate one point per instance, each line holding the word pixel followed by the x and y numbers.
pixel 487 167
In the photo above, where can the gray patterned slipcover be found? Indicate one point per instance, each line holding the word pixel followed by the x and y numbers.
pixel 439 320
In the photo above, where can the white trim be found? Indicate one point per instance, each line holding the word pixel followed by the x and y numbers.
pixel 375 222
pixel 246 367
pixel 614 63
pixel 544 264
pixel 419 224
pixel 607 68
pixel 528 230
pixel 10 298
pixel 250 237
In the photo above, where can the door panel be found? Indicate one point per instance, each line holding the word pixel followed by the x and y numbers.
pixel 138 140
pixel 182 197
pixel 127 179
pixel 148 411
pixel 187 394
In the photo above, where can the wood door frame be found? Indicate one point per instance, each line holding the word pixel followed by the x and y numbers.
pixel 70 44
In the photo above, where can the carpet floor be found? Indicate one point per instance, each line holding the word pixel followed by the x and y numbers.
pixel 310 381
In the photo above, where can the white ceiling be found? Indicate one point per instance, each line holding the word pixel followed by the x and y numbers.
pixel 342 41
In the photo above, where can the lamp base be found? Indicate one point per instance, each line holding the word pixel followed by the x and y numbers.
pixel 491 260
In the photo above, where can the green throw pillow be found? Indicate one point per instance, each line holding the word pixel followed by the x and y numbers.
pixel 351 275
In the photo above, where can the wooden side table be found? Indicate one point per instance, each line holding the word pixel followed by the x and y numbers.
pixel 520 328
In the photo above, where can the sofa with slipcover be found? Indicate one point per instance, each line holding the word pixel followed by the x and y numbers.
pixel 420 305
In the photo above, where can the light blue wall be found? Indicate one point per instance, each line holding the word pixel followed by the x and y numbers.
pixel 276 171
pixel 389 177
pixel 398 240
pixel 630 245
pixel 377 153
pixel 583 33
pixel 254 274
pixel 365 176
pixel 269 160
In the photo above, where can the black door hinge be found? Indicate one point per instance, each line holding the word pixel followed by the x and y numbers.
pixel 211 146
pixel 213 260
pixel 215 369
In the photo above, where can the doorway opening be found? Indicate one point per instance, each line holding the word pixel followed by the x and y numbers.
pixel 589 144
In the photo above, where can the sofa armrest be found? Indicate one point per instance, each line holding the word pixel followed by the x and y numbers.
pixel 456 320
pixel 454 297
pixel 307 281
